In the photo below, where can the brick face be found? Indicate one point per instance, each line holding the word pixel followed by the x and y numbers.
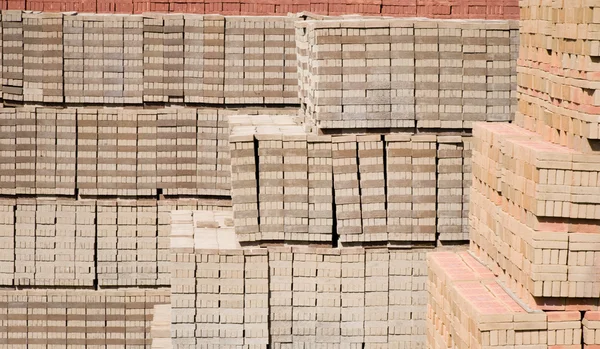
pixel 480 9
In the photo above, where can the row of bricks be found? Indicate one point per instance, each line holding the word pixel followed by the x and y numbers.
pixel 506 9
pixel 82 243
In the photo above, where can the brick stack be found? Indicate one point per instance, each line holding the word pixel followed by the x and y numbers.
pixel 254 184
pixel 207 147
pixel 80 243
pixel 402 189
pixel 154 47
pixel 182 290
pixel 399 187
pixel 223 166
pixel 110 151
pixel 295 187
pixel 113 54
pixel 475 70
pixel 42 58
pixel 462 288
pixel 173 58
pixel 214 59
pixel 590 328
pixel 80 317
pixel 567 56
pixel 328 298
pixel 533 208
pixel 450 80
pixel 7 237
pixel 53 244
pixel 556 208
pixel 347 189
pixel 402 74
pixel 93 59
pixel 133 59
pixel 424 187
pixel 12 55
pixel 108 123
pixel 280 302
pixel 450 188
pixel 25 151
pixel 320 188
pixel 234 51
pixel 66 151
pixel 498 48
pixel 467 182
pixel 244 186
pixel 187 120
pixel 130 60
pixel 455 9
pixel 275 55
pixel 304 296
pixel 8 140
pixel 333 297
pixel 290 70
pixel 428 74
pixel 73 58
pixel 193 42
pixel 160 327
pixel 45 151
pixel 373 187
pixel 253 60
pixel 270 186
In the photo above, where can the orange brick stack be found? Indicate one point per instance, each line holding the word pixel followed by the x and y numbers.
pixel 535 202
pixel 481 9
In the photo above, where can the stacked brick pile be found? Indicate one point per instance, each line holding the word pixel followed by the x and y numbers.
pixel 230 296
pixel 461 288
pixel 404 189
pixel 406 73
pixel 110 151
pixel 503 9
pixel 82 243
pixel 541 185
pixel 558 70
pixel 82 318
pixel 154 58
pixel 534 206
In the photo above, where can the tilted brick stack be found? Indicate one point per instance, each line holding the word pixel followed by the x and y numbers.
pixel 383 188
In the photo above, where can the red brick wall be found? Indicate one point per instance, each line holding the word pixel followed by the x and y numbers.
pixel 483 9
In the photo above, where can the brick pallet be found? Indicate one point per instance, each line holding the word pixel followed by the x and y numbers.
pixel 56 151
pixel 403 73
pixel 80 243
pixel 533 212
pixel 333 297
pixel 152 58
pixel 386 188
pixel 61 318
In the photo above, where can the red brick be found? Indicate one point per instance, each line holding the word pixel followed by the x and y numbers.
pixel 231 8
pixel 592 315
pixel 319 8
pixel 441 10
pixel 555 316
pixel 213 7
pixel 37 5
pixel 15 5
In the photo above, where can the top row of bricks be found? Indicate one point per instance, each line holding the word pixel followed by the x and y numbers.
pixel 449 9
